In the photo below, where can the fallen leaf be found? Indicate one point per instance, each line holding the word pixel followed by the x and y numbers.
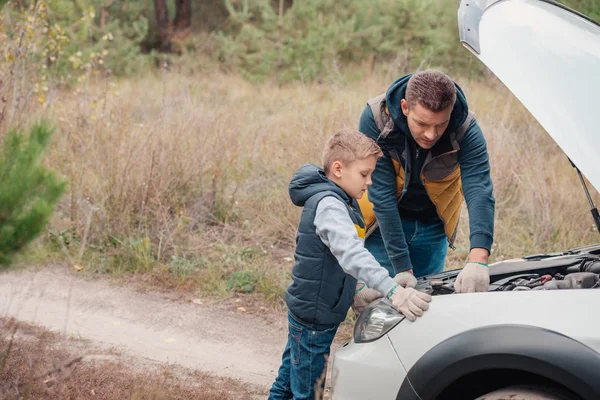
pixel 50 382
pixel 242 309
pixel 197 301
pixel 78 267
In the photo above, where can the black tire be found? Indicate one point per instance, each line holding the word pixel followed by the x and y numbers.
pixel 526 393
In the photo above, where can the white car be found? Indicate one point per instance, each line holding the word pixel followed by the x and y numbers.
pixel 534 334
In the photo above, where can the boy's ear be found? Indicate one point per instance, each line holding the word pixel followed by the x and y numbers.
pixel 336 169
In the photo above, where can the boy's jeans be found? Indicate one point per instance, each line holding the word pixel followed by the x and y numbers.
pixel 303 360
pixel 427 246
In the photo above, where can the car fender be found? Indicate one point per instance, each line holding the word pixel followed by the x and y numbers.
pixel 520 347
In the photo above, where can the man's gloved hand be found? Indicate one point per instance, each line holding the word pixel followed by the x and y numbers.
pixel 474 277
pixel 363 297
pixel 406 279
pixel 409 301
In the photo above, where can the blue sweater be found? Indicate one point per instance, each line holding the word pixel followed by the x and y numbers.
pixel 475 175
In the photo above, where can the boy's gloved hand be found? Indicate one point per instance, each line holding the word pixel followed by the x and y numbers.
pixel 363 296
pixel 474 277
pixel 409 301
pixel 406 279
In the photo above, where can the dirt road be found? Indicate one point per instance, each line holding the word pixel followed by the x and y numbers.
pixel 146 324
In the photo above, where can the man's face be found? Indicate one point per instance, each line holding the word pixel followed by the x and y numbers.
pixel 355 177
pixel 426 126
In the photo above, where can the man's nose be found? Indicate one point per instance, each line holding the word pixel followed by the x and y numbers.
pixel 430 134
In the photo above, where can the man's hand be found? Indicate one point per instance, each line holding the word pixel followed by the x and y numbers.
pixel 363 297
pixel 406 279
pixel 409 301
pixel 474 277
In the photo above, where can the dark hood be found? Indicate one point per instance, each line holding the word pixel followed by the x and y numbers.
pixel 310 180
pixel 396 92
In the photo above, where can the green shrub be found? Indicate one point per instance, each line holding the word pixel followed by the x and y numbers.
pixel 70 39
pixel 311 40
pixel 313 35
pixel 103 34
pixel 28 191
pixel 244 281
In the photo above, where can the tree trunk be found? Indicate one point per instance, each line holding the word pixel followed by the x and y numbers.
pixel 183 18
pixel 164 27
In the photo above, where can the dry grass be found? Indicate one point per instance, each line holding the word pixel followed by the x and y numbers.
pixel 186 177
pixel 38 364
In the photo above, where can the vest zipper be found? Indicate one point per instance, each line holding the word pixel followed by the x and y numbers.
pixel 450 239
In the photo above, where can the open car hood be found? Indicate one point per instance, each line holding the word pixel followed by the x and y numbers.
pixel 549 57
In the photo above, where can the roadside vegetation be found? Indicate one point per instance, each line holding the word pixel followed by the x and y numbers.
pixel 176 164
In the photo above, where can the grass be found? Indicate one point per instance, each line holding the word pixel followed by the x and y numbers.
pixel 164 176
pixel 184 178
pixel 39 364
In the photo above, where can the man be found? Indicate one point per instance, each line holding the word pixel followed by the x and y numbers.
pixel 435 157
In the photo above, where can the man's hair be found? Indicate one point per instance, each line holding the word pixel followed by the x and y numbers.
pixel 433 89
pixel 348 145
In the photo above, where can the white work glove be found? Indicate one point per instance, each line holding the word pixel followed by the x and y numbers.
pixel 409 301
pixel 474 277
pixel 363 297
pixel 405 279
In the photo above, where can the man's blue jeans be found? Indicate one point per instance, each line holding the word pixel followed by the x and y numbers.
pixel 427 246
pixel 303 360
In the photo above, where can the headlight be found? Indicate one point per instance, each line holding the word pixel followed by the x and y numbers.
pixel 375 321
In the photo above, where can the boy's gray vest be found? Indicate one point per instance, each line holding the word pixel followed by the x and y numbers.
pixel 320 292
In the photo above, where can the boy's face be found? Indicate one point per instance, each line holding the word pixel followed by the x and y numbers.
pixel 355 177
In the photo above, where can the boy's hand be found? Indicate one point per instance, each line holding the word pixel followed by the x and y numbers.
pixel 409 301
pixel 406 279
pixel 363 297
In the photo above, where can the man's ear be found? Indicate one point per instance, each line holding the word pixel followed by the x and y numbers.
pixel 404 107
pixel 336 169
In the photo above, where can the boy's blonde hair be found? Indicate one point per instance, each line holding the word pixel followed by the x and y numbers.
pixel 348 145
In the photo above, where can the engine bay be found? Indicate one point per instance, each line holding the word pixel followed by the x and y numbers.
pixel 574 269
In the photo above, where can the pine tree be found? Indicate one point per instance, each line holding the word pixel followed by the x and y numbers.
pixel 28 190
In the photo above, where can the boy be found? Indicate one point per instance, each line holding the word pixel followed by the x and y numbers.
pixel 330 260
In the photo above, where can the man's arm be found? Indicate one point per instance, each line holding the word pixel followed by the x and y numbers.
pixel 382 194
pixel 478 190
pixel 336 229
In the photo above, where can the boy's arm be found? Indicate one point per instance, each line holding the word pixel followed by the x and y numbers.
pixel 336 229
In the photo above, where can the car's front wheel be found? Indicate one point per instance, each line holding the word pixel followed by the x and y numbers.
pixel 526 393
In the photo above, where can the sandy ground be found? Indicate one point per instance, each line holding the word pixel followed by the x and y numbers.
pixel 155 327
pixel 149 325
